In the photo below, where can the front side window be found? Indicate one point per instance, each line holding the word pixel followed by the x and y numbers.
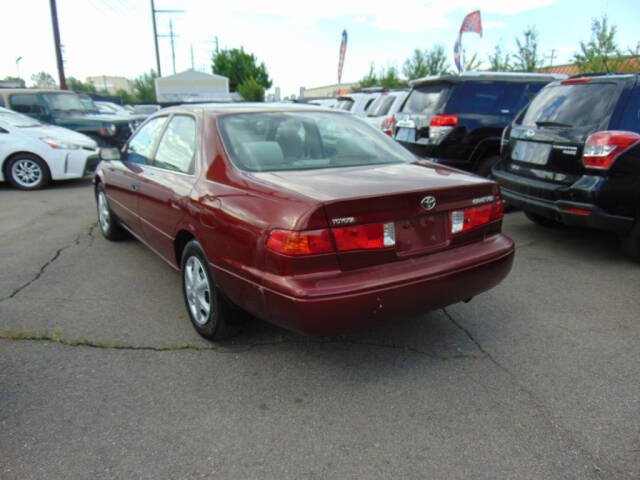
pixel 274 141
pixel 143 142
pixel 178 145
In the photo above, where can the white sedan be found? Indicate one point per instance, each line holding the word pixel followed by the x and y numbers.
pixel 33 153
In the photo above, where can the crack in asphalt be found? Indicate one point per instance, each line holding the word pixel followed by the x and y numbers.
pixel 538 403
pixel 52 260
pixel 57 337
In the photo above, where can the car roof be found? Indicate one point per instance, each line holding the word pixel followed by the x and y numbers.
pixel 35 90
pixel 498 76
pixel 248 107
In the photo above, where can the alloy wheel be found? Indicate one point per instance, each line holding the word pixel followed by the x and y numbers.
pixel 104 216
pixel 198 290
pixel 26 172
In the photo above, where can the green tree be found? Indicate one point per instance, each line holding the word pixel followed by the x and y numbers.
pixel 9 78
pixel 427 62
pixel 390 78
pixel 79 86
pixel 474 63
pixel 527 58
pixel 125 96
pixel 370 79
pixel 239 66
pixel 500 61
pixel 144 87
pixel 251 90
pixel 43 80
pixel 600 54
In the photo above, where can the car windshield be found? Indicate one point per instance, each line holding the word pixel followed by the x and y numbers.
pixel 63 101
pixel 18 120
pixel 576 105
pixel 305 140
pixel 425 99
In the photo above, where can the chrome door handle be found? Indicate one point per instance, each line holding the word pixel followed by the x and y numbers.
pixel 134 187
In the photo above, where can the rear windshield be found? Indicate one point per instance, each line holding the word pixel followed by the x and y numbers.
pixel 345 104
pixel 487 98
pixel 381 105
pixel 426 99
pixel 274 141
pixel 573 105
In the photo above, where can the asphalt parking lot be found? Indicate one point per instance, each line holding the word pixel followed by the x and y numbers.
pixel 102 375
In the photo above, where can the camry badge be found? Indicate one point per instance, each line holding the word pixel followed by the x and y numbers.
pixel 428 202
pixel 530 132
pixel 343 221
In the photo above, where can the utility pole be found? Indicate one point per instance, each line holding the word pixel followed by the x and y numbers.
pixel 155 37
pixel 553 54
pixel 192 64
pixel 173 50
pixel 56 40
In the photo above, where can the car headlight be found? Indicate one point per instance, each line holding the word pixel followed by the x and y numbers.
pixel 108 130
pixel 57 143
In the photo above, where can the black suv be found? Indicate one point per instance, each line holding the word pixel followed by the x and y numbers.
pixel 457 120
pixel 573 156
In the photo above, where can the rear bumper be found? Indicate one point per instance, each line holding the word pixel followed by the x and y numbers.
pixel 557 209
pixel 352 300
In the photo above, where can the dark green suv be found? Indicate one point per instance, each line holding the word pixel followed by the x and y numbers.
pixel 65 109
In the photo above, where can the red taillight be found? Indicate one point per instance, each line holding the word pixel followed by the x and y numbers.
pixel 387 125
pixel 300 243
pixel 472 217
pixel 602 148
pixel 571 81
pixel 357 237
pixel 444 121
pixel 364 237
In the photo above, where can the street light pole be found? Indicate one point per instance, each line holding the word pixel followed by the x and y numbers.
pixel 18 65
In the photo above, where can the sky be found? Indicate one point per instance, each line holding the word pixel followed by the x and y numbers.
pixel 298 41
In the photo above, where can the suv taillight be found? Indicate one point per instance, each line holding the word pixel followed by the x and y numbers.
pixel 387 125
pixel 503 139
pixel 441 125
pixel 602 148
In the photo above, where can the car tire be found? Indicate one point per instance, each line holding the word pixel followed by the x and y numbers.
pixel 543 221
pixel 485 165
pixel 211 314
pixel 27 172
pixel 107 220
pixel 631 242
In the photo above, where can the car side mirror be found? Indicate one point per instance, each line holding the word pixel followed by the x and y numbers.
pixel 110 154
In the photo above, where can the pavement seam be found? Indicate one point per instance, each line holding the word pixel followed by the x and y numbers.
pixel 57 337
pixel 50 261
pixel 539 404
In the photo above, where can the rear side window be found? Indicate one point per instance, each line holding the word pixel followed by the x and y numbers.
pixel 381 106
pixel 1 101
pixel 426 99
pixel 25 103
pixel 487 98
pixel 573 105
pixel 178 145
pixel 141 145
pixel 631 119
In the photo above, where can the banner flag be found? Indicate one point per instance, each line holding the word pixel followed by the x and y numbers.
pixel 343 49
pixel 472 23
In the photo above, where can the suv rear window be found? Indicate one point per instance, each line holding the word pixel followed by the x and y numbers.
pixel 488 98
pixel 574 105
pixel 381 105
pixel 424 100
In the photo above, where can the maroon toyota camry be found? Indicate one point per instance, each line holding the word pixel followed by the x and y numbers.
pixel 305 217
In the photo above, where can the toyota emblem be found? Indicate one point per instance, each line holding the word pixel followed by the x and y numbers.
pixel 530 132
pixel 428 202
